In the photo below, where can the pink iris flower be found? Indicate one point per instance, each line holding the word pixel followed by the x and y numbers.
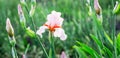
pixel 54 25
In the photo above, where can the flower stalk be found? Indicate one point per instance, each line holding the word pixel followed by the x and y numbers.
pixel 113 29
pixel 12 40
pixel 52 48
pixel 34 27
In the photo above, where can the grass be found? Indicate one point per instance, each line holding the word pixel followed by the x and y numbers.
pixel 85 33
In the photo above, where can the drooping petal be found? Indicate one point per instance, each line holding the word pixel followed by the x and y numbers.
pixel 41 30
pixel 63 55
pixel 63 37
pixel 59 32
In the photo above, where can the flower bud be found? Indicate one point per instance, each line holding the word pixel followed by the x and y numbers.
pixel 24 56
pixel 21 16
pixel 98 11
pixel 97 7
pixel 116 9
pixel 90 11
pixel 23 2
pixel 33 2
pixel 10 31
pixel 32 10
pixel 9 28
pixel 33 6
pixel 63 55
pixel 30 33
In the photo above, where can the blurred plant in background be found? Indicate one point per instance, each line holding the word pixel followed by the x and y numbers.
pixel 91 32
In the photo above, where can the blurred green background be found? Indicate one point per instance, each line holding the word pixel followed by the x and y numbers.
pixel 77 25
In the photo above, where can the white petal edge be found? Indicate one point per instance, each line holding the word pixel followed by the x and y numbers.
pixel 58 14
pixel 41 30
pixel 59 32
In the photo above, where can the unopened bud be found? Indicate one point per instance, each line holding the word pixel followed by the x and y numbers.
pixel 30 33
pixel 97 7
pixel 116 9
pixel 9 28
pixel 63 55
pixel 24 56
pixel 21 16
pixel 10 31
pixel 90 11
pixel 32 11
pixel 98 11
pixel 33 6
pixel 23 2
pixel 88 1
pixel 33 2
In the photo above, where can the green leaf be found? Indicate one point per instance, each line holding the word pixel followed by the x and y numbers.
pixel 109 39
pixel 80 52
pixel 118 42
pixel 89 50
pixel 97 41
pixel 116 9
pixel 108 53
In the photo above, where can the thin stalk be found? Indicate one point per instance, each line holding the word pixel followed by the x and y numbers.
pixel 14 54
pixel 26 50
pixel 52 49
pixel 114 31
pixel 12 43
pixel 38 38
pixel 113 36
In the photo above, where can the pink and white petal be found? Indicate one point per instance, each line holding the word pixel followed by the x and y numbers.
pixel 59 32
pixel 60 21
pixel 51 20
pixel 41 30
pixel 57 14
pixel 54 19
pixel 63 37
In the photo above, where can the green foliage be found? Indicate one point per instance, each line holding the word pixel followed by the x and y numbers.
pixel 95 38
pixel 118 43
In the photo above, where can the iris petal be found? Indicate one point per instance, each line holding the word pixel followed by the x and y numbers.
pixel 41 30
pixel 59 32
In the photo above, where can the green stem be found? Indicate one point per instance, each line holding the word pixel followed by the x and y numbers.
pixel 12 43
pixel 52 49
pixel 113 36
pixel 114 31
pixel 14 54
pixel 38 38
pixel 28 45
